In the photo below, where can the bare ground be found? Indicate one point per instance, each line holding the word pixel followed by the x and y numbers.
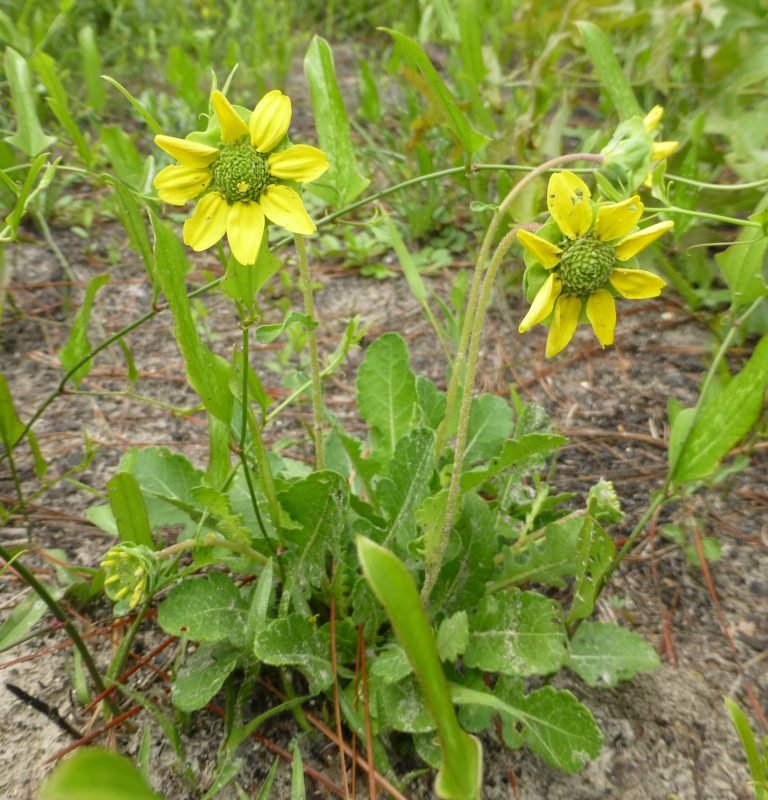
pixel 666 733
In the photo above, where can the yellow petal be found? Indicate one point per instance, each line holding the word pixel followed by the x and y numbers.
pixel 270 120
pixel 178 184
pixel 298 163
pixel 618 219
pixel 208 224
pixel 546 253
pixel 564 322
pixel 232 125
pixel 662 150
pixel 653 118
pixel 245 228
pixel 601 313
pixel 190 154
pixel 633 244
pixel 283 206
pixel 636 284
pixel 542 304
pixel 568 203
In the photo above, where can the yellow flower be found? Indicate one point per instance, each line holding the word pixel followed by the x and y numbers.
pixel 583 263
pixel 241 183
pixel 659 150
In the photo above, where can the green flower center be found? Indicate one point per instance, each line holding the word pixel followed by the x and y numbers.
pixel 585 266
pixel 240 173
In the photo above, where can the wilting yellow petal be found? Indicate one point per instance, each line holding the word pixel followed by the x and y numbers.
pixel 190 154
pixel 662 150
pixel 601 313
pixel 618 219
pixel 546 253
pixel 232 124
pixel 564 322
pixel 208 224
pixel 633 244
pixel 301 162
pixel 636 284
pixel 178 184
pixel 270 120
pixel 653 118
pixel 542 304
pixel 245 228
pixel 568 203
pixel 283 206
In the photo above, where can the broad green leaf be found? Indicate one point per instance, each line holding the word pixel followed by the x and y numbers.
pixel 594 556
pixel 460 775
pixel 453 636
pixel 29 136
pixel 407 485
pixel 516 633
pixel 490 422
pixel 743 265
pixel 410 270
pixel 11 428
pixel 242 283
pixel 342 183
pixel 602 654
pixel 432 402
pixel 78 346
pixel 400 705
pixel 391 664
pixel 132 217
pixel 97 774
pixel 220 516
pixel 319 504
pixel 552 722
pixel 91 60
pixel 469 560
pixel 202 675
pixel 295 641
pixel 129 510
pixel 208 374
pixel 513 453
pixel 386 392
pixel 23 617
pixel 265 334
pixel 470 139
pixel 608 70
pixel 127 162
pixel 167 481
pixel 208 609
pixel 26 193
pixel 699 440
pixel 545 559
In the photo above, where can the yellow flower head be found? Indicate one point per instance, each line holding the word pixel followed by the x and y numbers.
pixel 583 262
pixel 241 182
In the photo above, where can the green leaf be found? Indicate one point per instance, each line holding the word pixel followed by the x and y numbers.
pixel 386 392
pixel 490 422
pixel 152 123
pixel 460 774
pixel 602 654
pixel 126 160
pixel 391 664
pixel 91 60
pixel 432 402
pixel 546 559
pixel 26 193
pixel 208 374
pixel 23 617
pixel 29 136
pixel 400 705
pixel 202 675
pixel 265 334
pixel 742 265
pixel 594 556
pixel 208 609
pixel 132 218
pixel 453 636
pixel 11 428
pixel 97 774
pixel 242 283
pixel 294 641
pixel 514 453
pixel 516 633
pixel 700 439
pixel 757 755
pixel 298 791
pixel 319 504
pixel 410 270
pixel 401 493
pixel 78 346
pixel 129 510
pixel 470 139
pixel 342 183
pixel 609 71
pixel 552 722
pixel 469 562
